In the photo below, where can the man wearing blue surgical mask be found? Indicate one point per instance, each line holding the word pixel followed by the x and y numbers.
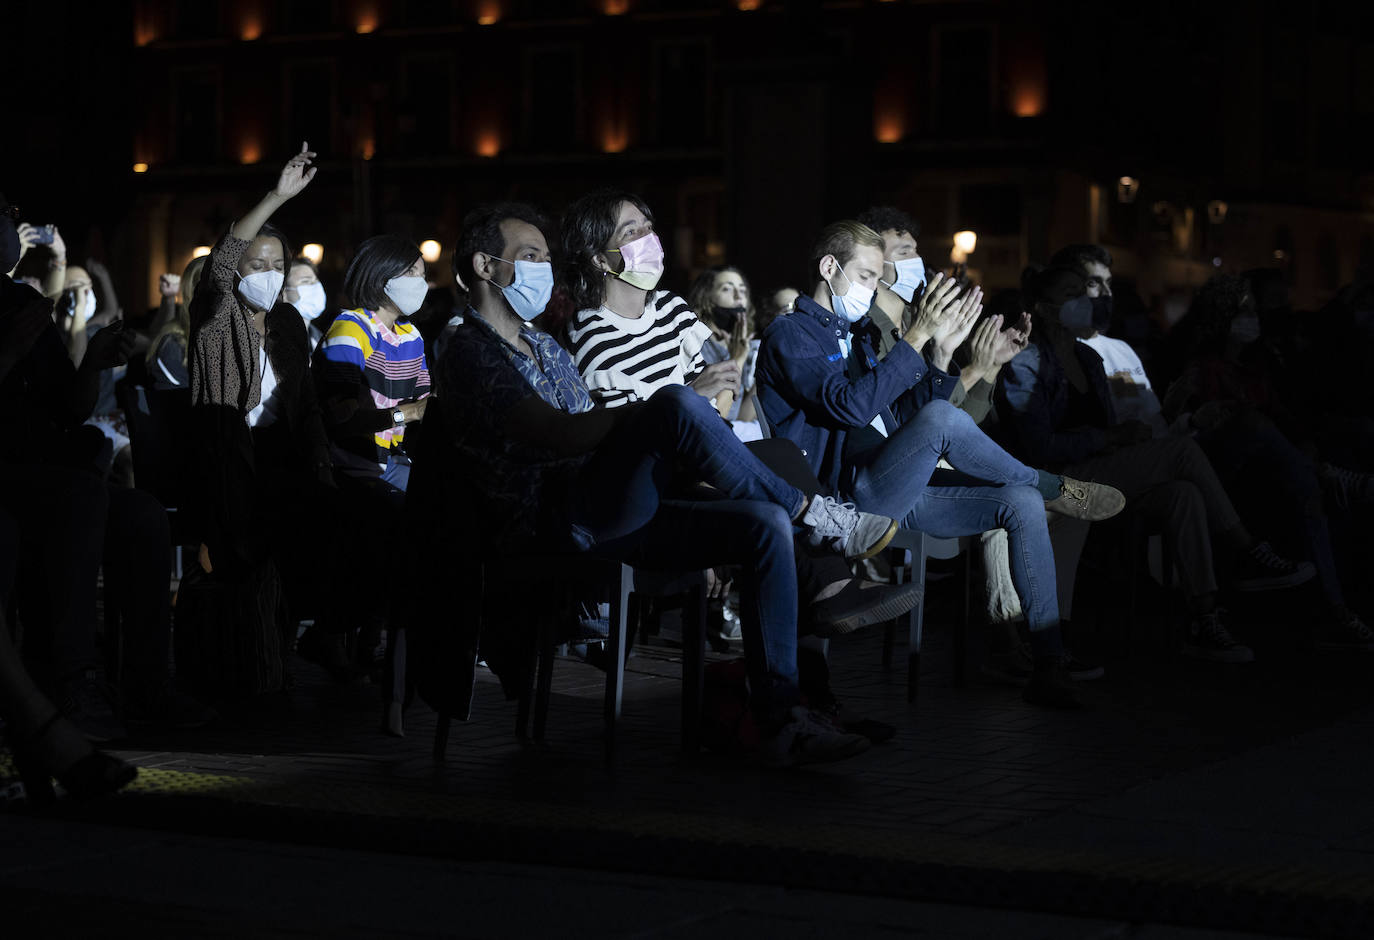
pixel 904 277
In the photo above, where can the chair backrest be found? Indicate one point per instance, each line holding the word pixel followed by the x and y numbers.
pixel 158 424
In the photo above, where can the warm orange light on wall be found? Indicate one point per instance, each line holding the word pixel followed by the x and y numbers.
pixel 888 128
pixel 747 5
pixel 200 251
pixel 250 151
pixel 145 32
pixel 368 149
pixel 251 27
pixel 365 18
pixel 430 250
pixel 615 137
pixel 1028 99
pixel 615 7
pixel 488 12
pixel 314 251
pixel 487 143
pixel 140 168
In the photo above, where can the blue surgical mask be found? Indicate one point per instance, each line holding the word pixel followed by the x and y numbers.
pixel 1245 329
pixel 529 292
pixel 911 274
pixel 853 304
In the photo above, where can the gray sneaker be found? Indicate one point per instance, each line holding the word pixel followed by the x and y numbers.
pixel 809 738
pixel 1091 501
pixel 1209 639
pixel 841 527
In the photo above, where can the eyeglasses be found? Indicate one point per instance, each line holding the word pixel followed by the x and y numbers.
pixel 11 212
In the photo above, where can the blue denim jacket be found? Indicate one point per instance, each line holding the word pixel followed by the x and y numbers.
pixel 807 395
pixel 1043 421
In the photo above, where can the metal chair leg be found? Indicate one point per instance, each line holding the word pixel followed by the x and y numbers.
pixel 615 655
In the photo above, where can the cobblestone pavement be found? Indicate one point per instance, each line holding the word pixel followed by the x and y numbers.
pixel 1185 793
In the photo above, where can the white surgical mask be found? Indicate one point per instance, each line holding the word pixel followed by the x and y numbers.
pixel 911 274
pixel 853 304
pixel 310 300
pixel 90 304
pixel 261 290
pixel 407 293
pixel 529 292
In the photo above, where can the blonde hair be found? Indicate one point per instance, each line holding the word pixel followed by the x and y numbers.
pixel 180 324
pixel 841 238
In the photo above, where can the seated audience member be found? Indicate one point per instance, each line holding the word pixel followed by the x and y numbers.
pixel 167 354
pixel 904 273
pixel 371 370
pixel 721 299
pixel 261 454
pixel 306 293
pixel 628 339
pixel 550 468
pixel 1226 399
pixel 1056 407
pixel 776 303
pixel 653 351
pixel 875 429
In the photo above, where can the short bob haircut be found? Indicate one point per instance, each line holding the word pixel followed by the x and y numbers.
pixel 378 260
pixel 588 225
pixel 481 231
pixel 841 239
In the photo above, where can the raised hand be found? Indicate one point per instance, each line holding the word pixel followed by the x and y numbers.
pixel 983 346
pixel 111 347
pixel 297 173
pixel 739 338
pixel 169 285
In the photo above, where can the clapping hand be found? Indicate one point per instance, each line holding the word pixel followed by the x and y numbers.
pixel 938 301
pixel 956 325
pixel 739 338
pixel 297 173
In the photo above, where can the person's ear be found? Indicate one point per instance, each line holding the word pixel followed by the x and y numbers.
pixel 828 266
pixel 483 265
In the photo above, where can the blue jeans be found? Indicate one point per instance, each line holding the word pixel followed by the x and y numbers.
pixel 621 506
pixel 895 479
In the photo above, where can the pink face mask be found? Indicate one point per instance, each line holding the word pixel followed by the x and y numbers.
pixel 643 261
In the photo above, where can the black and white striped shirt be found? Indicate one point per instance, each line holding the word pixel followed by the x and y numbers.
pixel 624 360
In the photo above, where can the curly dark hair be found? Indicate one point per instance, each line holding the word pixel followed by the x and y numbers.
pixel 882 218
pixel 588 225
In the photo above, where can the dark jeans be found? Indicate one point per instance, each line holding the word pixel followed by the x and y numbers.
pixel 621 507
pixel 1271 479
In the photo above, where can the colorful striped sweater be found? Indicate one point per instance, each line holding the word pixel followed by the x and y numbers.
pixel 380 367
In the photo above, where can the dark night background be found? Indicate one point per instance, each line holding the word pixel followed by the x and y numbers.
pixel 747 125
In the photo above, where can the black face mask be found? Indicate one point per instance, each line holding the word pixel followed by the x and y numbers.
pixel 1076 314
pixel 1102 312
pixel 725 317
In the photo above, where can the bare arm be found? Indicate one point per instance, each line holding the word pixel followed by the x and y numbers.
pixel 295 176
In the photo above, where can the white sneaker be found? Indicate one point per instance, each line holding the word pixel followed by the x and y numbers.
pixel 809 738
pixel 841 527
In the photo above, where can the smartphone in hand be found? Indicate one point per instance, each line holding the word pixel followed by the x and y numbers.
pixel 43 234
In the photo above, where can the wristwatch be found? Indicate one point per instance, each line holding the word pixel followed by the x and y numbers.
pixel 398 416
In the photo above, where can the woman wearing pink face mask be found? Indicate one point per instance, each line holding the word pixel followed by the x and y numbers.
pixel 629 339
